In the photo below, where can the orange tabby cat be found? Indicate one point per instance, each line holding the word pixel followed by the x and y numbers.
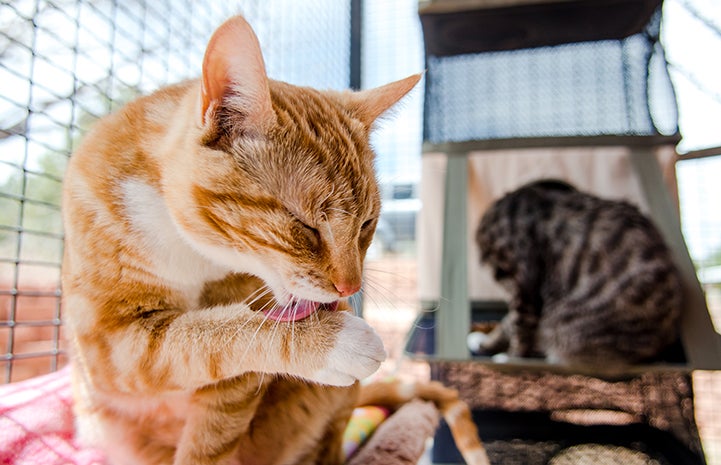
pixel 213 230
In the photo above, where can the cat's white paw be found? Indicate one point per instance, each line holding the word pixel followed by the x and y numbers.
pixel 357 354
pixel 476 340
pixel 502 357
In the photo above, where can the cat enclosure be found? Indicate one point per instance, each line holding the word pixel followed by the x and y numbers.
pixel 519 90
pixel 587 88
pixel 65 63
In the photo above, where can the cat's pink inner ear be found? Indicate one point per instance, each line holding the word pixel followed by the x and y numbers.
pixel 370 104
pixel 233 59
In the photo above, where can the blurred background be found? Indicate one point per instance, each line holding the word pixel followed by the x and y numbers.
pixel 65 63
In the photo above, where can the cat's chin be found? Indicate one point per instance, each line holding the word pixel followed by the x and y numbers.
pixel 297 310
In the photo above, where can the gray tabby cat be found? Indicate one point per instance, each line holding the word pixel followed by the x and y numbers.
pixel 591 280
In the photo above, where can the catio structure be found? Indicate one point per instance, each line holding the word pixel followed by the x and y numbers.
pixel 518 90
pixel 64 63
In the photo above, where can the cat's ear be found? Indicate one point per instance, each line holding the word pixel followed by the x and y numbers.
pixel 233 67
pixel 370 104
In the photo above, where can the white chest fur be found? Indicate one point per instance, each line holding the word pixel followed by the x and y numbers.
pixel 173 259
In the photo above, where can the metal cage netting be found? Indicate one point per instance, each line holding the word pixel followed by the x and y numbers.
pixel 66 63
pixel 588 88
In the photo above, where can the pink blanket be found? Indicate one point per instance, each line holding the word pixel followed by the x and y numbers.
pixel 36 424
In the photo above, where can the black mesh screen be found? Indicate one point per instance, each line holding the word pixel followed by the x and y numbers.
pixel 606 87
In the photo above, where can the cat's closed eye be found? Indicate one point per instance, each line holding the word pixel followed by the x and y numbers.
pixel 312 234
pixel 309 234
pixel 369 224
pixel 366 232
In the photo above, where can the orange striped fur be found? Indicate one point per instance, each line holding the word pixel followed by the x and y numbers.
pixel 195 219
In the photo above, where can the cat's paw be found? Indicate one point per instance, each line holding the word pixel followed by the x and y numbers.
pixel 357 354
pixel 476 341
pixel 502 357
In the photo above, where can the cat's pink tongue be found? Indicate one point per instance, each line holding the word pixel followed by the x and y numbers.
pixel 297 310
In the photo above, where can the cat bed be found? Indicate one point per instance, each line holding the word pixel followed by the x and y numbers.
pixel 36 426
pixel 535 438
pixel 532 416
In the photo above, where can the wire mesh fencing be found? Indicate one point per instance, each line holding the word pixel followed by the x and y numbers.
pixel 585 88
pixel 65 63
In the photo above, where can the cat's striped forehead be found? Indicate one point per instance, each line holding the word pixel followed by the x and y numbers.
pixel 323 150
pixel 318 123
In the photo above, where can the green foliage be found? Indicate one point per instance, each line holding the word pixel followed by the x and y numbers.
pixel 32 203
pixel 30 197
pixel 714 258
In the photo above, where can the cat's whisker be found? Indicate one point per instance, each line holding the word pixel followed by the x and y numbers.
pixel 274 332
pixel 314 319
pixel 345 212
pixel 259 290
pixel 344 199
pixel 390 298
pixel 254 336
pixel 263 291
pixel 369 268
pixel 241 327
pixel 228 342
pixel 330 194
pixel 373 273
pixel 292 334
pixel 267 306
pixel 257 295
pixel 329 231
pixel 260 384
pixel 377 301
pixel 271 344
pixel 355 304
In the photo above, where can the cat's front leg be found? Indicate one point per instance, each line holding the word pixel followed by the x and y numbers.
pixel 329 347
pixel 521 325
pixel 175 350
pixel 219 415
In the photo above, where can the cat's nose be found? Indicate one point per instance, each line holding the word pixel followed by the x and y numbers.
pixel 346 289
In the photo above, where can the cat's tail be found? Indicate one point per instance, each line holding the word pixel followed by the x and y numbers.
pixel 455 412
